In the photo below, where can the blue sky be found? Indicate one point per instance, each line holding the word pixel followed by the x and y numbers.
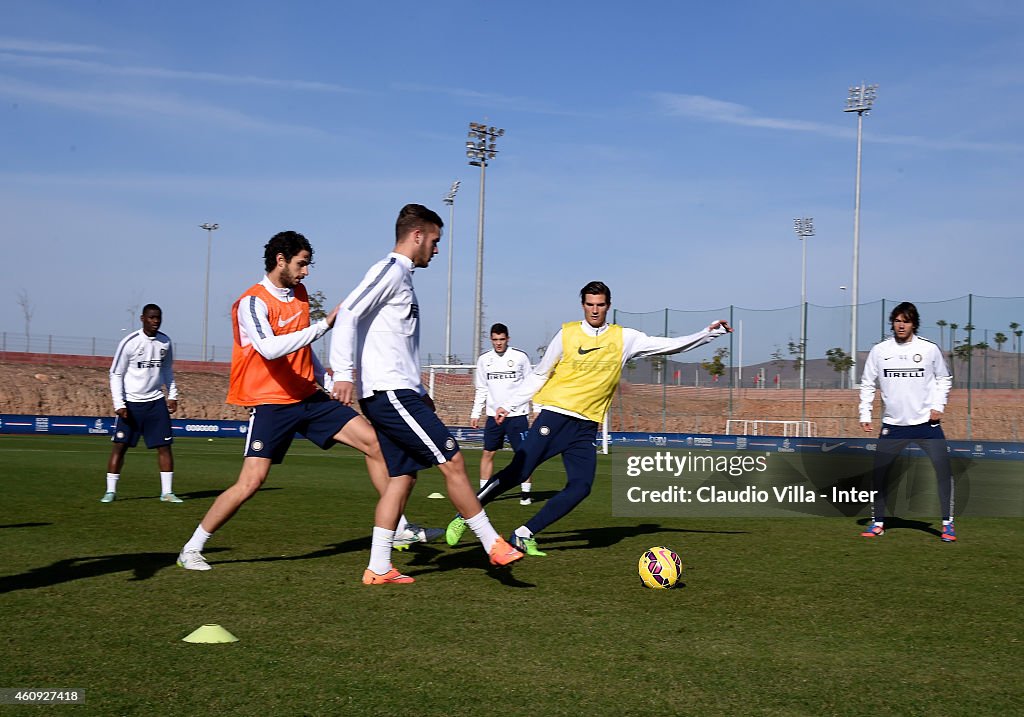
pixel 664 148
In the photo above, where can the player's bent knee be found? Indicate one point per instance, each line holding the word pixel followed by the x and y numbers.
pixel 455 463
pixel 359 434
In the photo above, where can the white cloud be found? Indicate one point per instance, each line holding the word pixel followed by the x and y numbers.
pixel 491 99
pixel 99 68
pixel 41 46
pixel 710 109
pixel 134 104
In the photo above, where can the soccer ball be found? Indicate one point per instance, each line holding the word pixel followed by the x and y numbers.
pixel 660 568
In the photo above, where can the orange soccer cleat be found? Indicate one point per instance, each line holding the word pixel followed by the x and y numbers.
pixel 390 577
pixel 502 553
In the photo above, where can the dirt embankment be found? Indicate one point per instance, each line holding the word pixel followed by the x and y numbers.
pixel 67 390
pixel 85 391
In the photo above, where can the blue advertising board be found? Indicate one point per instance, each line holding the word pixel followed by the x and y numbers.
pixel 104 426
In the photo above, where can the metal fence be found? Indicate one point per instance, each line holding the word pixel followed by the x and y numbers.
pixel 760 379
pixel 979 335
pixel 759 375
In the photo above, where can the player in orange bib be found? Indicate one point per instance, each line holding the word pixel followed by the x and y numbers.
pixel 275 373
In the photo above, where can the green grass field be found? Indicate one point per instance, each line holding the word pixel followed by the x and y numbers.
pixel 778 616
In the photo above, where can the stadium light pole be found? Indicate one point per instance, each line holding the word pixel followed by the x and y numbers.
pixel 481 147
pixel 449 199
pixel 860 100
pixel 804 228
pixel 210 228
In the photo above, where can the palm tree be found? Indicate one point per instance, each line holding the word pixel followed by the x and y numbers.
pixel 1000 338
pixel 941 323
pixel 1017 332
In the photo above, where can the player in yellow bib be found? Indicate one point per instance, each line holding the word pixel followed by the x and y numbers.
pixel 573 385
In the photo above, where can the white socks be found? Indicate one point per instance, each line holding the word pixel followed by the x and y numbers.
pixel 380 550
pixel 523 532
pixel 166 479
pixel 198 540
pixel 526 487
pixel 481 525
pixel 112 479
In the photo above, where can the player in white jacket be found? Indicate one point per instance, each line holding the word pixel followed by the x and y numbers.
pixel 375 355
pixel 142 366
pixel 498 373
pixel 915 385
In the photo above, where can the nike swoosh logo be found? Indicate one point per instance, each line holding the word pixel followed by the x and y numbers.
pixel 285 322
pixel 583 352
pixel 826 448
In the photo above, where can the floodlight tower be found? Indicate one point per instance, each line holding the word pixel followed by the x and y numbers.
pixel 481 147
pixel 804 228
pixel 210 228
pixel 860 100
pixel 449 199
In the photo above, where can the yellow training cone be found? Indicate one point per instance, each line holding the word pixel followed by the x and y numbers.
pixel 210 634
pixel 435 495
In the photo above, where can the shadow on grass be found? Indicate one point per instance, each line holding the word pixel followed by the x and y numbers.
pixel 24 525
pixel 355 545
pixel 142 565
pixel 429 559
pixel 193 495
pixel 903 524
pixel 537 495
pixel 432 560
pixel 606 537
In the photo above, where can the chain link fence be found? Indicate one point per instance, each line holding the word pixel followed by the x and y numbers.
pixel 755 372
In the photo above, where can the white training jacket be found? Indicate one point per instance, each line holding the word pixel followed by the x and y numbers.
pixel 378 330
pixel 913 377
pixel 142 365
pixel 496 376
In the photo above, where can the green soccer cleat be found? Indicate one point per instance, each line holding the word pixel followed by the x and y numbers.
pixel 453 533
pixel 526 545
pixel 108 497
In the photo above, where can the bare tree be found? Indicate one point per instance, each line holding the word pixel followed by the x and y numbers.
pixel 27 309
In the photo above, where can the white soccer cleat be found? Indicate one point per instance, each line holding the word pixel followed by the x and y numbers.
pixel 525 500
pixel 108 497
pixel 193 560
pixel 415 534
pixel 170 498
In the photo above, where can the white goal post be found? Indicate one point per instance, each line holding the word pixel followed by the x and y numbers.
pixel 452 388
pixel 750 427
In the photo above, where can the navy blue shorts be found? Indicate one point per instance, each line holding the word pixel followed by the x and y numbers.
pixel 272 426
pixel 412 437
pixel 149 419
pixel 513 427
